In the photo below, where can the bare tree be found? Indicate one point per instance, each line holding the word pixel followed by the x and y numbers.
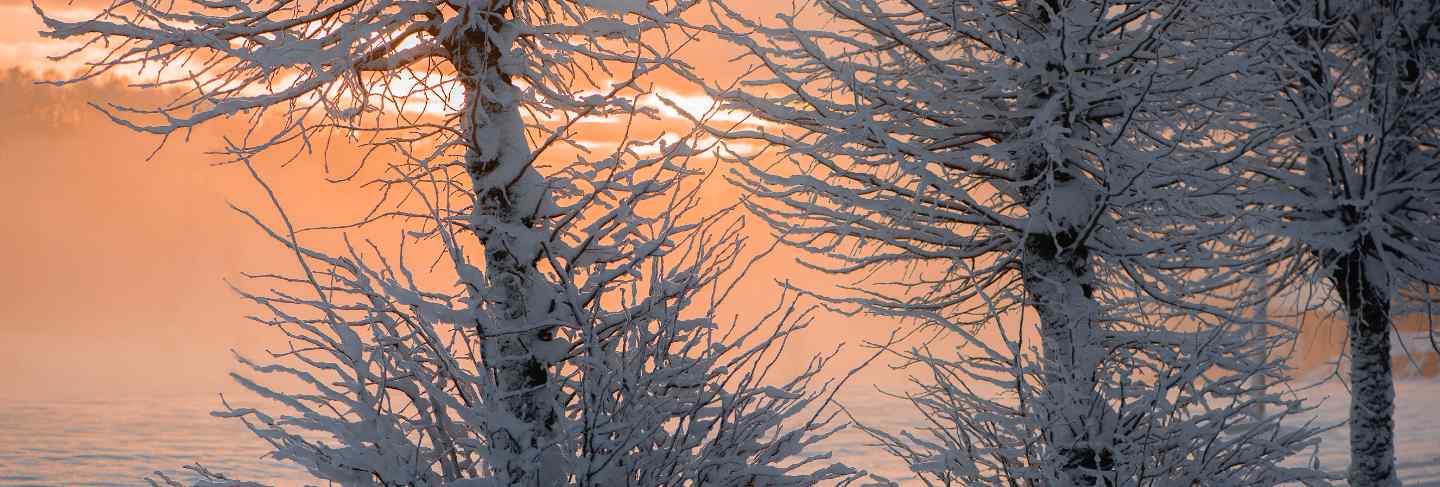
pixel 581 348
pixel 1351 183
pixel 1070 159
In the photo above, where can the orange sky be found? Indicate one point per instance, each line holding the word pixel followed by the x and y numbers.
pixel 115 266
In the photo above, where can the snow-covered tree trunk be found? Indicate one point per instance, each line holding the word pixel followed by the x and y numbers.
pixel 1055 282
pixel 1372 384
pixel 1360 276
pixel 508 194
pixel 1056 265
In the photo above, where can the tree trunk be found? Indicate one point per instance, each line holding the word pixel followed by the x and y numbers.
pixel 1367 304
pixel 1055 267
pixel 1360 276
pixel 1372 385
pixel 508 193
pixel 1057 279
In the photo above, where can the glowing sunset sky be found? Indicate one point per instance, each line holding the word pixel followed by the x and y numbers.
pixel 116 267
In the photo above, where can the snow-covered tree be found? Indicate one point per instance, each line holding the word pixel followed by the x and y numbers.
pixel 1350 183
pixel 579 343
pixel 1065 160
pixel 649 387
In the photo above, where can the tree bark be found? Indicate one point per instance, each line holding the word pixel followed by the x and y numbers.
pixel 508 193
pixel 1057 281
pixel 1056 270
pixel 1360 276
pixel 1055 267
pixel 1372 384
pixel 1367 304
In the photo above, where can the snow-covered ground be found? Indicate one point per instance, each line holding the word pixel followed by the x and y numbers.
pixel 116 442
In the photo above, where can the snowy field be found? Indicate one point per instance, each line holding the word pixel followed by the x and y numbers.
pixel 116 442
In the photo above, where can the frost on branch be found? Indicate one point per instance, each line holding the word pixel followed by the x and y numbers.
pixel 399 388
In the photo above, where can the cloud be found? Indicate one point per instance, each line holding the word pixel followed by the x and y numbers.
pixel 698 106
